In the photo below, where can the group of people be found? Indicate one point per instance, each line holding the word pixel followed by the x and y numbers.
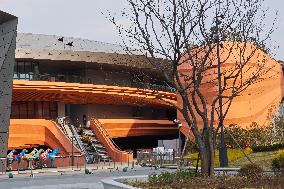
pixel 36 158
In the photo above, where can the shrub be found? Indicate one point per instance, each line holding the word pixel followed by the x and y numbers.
pixel 169 178
pixel 218 182
pixel 251 170
pixel 246 137
pixel 266 148
pixel 278 163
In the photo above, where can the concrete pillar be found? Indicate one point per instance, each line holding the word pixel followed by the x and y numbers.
pixel 61 109
pixel 8 34
pixel 67 110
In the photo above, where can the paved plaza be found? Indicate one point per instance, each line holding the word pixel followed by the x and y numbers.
pixel 69 179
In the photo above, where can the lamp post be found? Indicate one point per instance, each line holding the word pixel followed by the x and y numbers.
pixel 178 123
pixel 72 158
pixel 223 157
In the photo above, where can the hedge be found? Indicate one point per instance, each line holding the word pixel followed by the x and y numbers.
pixel 266 148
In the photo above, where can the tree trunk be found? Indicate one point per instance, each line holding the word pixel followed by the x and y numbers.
pixel 204 163
pixel 206 150
pixel 207 155
pixel 212 151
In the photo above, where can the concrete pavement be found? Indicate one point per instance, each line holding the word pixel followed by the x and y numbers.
pixel 69 179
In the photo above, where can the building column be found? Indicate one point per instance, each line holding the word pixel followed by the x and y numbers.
pixel 60 109
pixel 8 33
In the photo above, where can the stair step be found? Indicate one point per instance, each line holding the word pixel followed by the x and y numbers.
pixel 88 132
pixel 104 156
pixel 98 151
pixel 102 151
pixel 100 147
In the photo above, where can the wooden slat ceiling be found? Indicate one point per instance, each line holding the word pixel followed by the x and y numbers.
pixel 75 93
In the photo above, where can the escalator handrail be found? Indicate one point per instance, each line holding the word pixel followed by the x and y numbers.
pixel 78 140
pixel 105 132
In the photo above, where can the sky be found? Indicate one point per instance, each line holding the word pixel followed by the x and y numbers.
pixel 84 19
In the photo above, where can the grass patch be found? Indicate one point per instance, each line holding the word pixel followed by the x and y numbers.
pixel 263 159
pixel 233 155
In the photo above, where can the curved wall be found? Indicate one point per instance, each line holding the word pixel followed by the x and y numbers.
pixel 133 127
pixel 26 132
pixel 252 104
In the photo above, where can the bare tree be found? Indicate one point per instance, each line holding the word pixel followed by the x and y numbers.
pixel 214 50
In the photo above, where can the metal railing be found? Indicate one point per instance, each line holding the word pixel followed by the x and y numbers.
pixel 162 159
pixel 81 79
pixel 60 123
pixel 104 132
pixel 151 86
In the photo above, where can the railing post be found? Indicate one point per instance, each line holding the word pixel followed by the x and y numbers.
pixel 72 152
pixel 127 161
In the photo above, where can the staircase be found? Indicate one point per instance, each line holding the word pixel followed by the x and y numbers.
pixel 94 142
pixel 69 130
pixel 113 150
pixel 94 146
pixel 65 128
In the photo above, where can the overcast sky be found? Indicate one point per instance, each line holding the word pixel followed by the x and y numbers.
pixel 84 19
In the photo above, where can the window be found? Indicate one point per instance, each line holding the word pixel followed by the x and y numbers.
pixel 34 110
pixel 24 70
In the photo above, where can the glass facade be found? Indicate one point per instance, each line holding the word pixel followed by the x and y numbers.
pixel 34 110
pixel 25 70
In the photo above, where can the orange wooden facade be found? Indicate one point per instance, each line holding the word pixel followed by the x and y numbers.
pixel 132 127
pixel 26 133
pixel 75 93
pixel 253 104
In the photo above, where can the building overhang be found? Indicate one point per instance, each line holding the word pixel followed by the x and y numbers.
pixel 75 93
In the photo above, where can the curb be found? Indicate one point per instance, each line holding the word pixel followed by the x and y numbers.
pixel 114 182
pixel 28 172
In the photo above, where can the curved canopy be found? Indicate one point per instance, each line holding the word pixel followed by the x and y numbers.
pixel 75 93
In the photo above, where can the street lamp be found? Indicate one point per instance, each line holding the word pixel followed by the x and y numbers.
pixel 179 124
pixel 223 157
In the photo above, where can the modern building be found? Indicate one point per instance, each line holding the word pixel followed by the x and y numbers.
pixel 8 33
pixel 96 100
pixel 258 102
pixel 95 93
